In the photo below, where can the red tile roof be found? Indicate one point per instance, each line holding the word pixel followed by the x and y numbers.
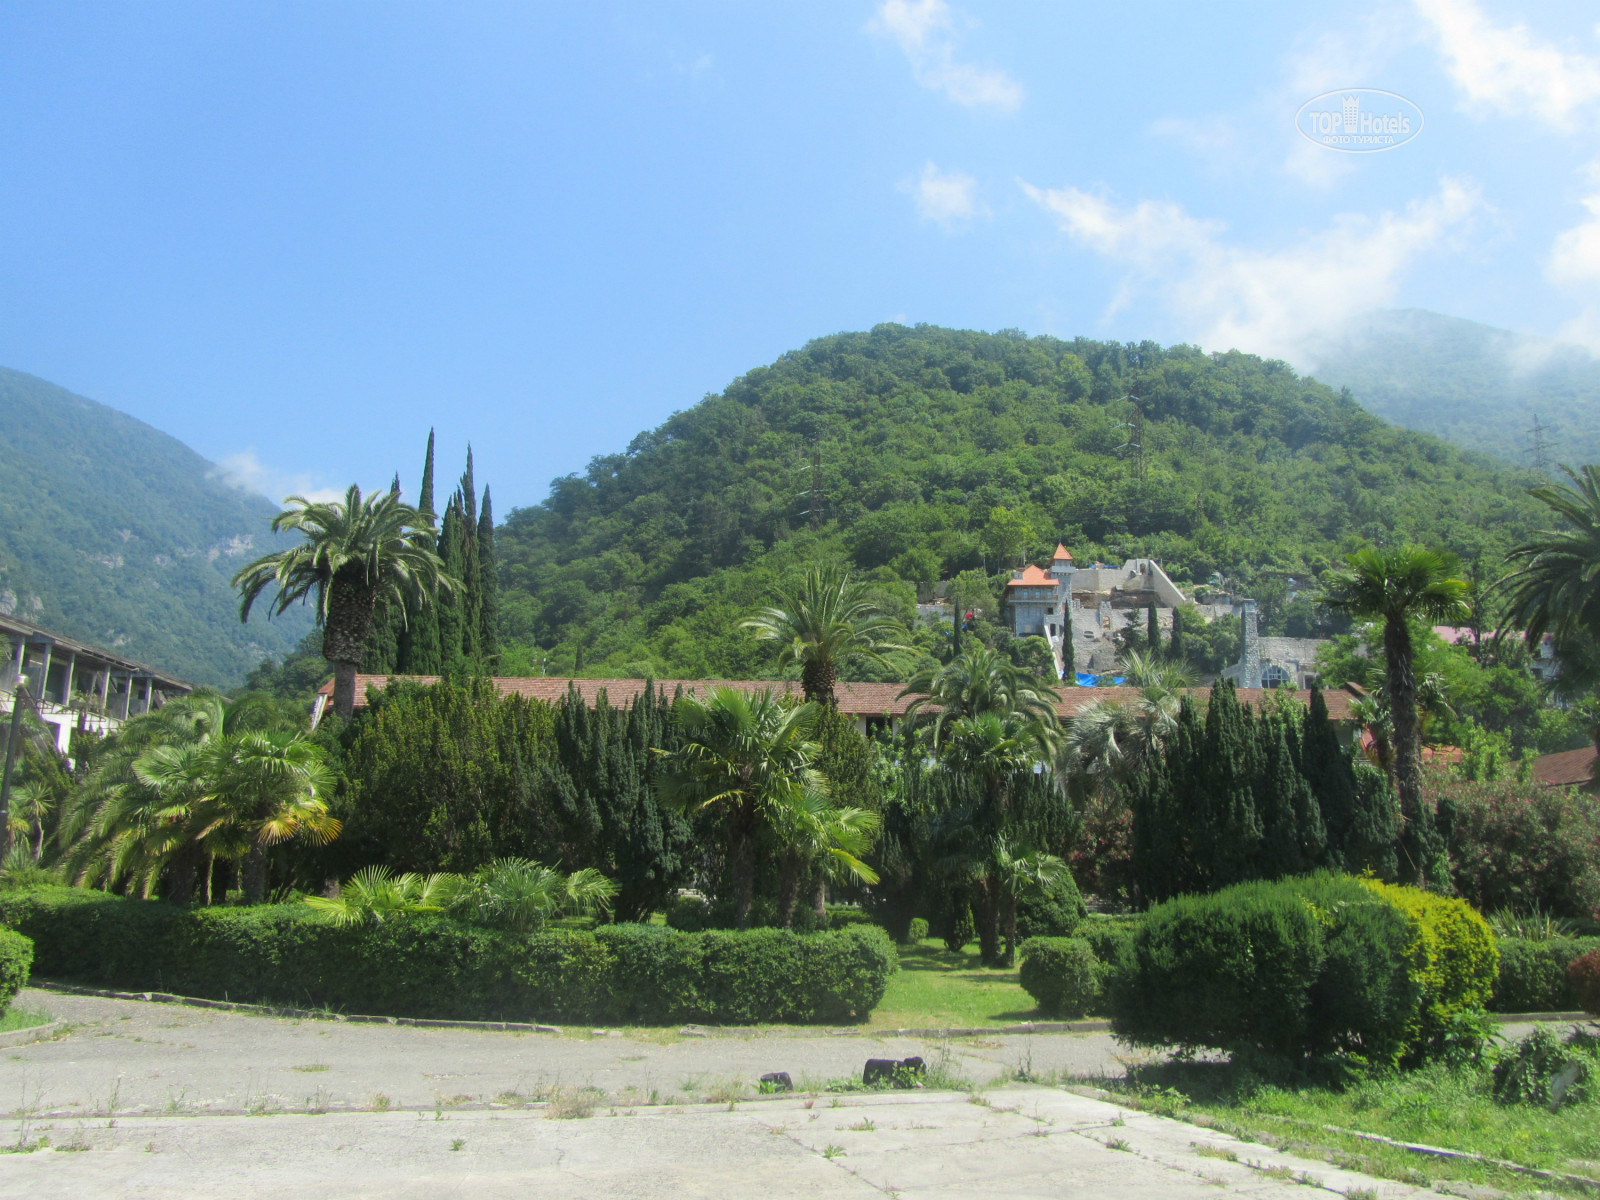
pixel 855 699
pixel 1061 553
pixel 1033 576
pixel 1566 769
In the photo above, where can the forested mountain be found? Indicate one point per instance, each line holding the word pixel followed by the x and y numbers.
pixel 1480 387
pixel 919 453
pixel 115 533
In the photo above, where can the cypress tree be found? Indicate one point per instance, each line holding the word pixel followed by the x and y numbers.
pixel 1069 649
pixel 1293 839
pixel 453 552
pixel 1231 828
pixel 1152 630
pixel 1175 646
pixel 381 654
pixel 466 500
pixel 488 584
pixel 1332 778
pixel 418 651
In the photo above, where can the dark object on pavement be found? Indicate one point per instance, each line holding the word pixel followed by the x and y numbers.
pixel 777 1081
pixel 895 1072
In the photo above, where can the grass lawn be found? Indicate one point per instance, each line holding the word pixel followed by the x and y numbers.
pixel 1437 1105
pixel 23 1018
pixel 938 988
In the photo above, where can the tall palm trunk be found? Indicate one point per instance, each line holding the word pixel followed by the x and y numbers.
pixel 1407 749
pixel 351 601
pixel 822 901
pixel 742 852
pixel 987 911
pixel 788 888
pixel 253 879
pixel 1008 921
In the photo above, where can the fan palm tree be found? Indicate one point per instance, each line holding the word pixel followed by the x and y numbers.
pixel 355 553
pixel 1018 873
pixel 978 681
pixel 749 754
pixel 1397 586
pixel 375 894
pixel 811 831
pixel 822 624
pixel 993 748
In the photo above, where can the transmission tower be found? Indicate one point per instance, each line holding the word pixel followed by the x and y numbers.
pixel 815 500
pixel 1541 457
pixel 1134 446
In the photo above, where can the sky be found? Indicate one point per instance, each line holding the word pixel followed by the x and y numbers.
pixel 298 235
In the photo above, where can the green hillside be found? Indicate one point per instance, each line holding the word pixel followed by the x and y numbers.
pixel 114 533
pixel 1480 387
pixel 919 453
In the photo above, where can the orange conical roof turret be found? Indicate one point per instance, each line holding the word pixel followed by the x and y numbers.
pixel 1061 554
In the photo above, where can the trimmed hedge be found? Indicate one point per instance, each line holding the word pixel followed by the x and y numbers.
pixel 1533 975
pixel 1307 966
pixel 1584 976
pixel 916 931
pixel 434 967
pixel 1055 912
pixel 1061 974
pixel 16 956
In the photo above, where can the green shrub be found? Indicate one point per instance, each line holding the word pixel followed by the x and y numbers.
pixel 1307 966
pixel 1061 974
pixel 916 931
pixel 1544 1071
pixel 1583 974
pixel 427 966
pixel 1533 974
pixel 1110 938
pixel 1054 913
pixel 16 956
pixel 956 925
pixel 1453 960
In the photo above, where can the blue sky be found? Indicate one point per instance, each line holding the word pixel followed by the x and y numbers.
pixel 297 235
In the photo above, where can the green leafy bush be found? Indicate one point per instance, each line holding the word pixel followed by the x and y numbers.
pixel 16 956
pixel 433 966
pixel 1307 966
pixel 916 931
pixel 1533 974
pixel 1453 960
pixel 1110 938
pixel 1584 976
pixel 1544 1071
pixel 1055 912
pixel 1061 974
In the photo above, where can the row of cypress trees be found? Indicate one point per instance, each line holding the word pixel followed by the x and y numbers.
pixel 1238 796
pixel 455 630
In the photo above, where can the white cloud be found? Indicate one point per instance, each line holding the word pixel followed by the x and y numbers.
pixel 1506 69
pixel 249 474
pixel 1574 263
pixel 949 198
pixel 1282 303
pixel 921 28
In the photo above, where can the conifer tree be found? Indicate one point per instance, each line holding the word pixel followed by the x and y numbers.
pixel 1293 840
pixel 1152 630
pixel 382 653
pixel 1175 647
pixel 1069 650
pixel 466 499
pixel 1231 831
pixel 488 585
pixel 451 618
pixel 418 650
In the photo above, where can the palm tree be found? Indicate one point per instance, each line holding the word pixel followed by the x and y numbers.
pixel 826 621
pixel 1396 586
pixel 375 894
pixel 355 554
pixel 812 831
pixel 749 754
pixel 1018 873
pixel 978 681
pixel 993 748
pixel 1556 587
pixel 199 779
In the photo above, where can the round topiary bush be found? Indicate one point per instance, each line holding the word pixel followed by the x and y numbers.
pixel 916 931
pixel 1584 976
pixel 16 957
pixel 1061 974
pixel 1054 913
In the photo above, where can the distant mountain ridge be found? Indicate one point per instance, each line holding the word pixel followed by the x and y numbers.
pixel 117 533
pixel 1477 386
